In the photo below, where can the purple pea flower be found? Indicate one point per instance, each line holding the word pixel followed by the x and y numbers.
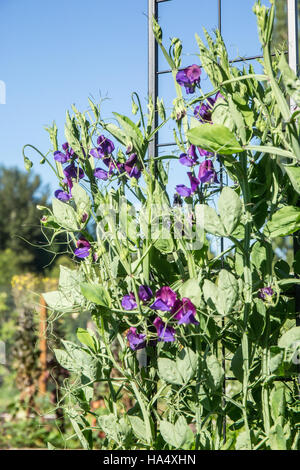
pixel 189 158
pixel 62 195
pixel 183 190
pixel 105 145
pixel 266 293
pixel 164 332
pixel 145 293
pixel 100 174
pixel 130 166
pixel 194 181
pixel 83 248
pixel 165 299
pixel 207 172
pixel 129 302
pixel 71 171
pixel 185 312
pixel 204 153
pixel 136 340
pixel 61 157
pixel 64 157
pixel 203 111
pixel 189 78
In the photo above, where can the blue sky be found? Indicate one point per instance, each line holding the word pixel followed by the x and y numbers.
pixel 57 52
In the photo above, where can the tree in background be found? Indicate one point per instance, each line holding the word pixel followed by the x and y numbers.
pixel 20 231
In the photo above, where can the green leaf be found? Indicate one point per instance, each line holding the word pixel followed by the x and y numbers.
pixel 215 371
pixel 85 338
pixel 182 370
pixel 284 222
pixel 294 175
pixel 277 438
pixel 222 115
pixel 290 80
pixel 230 209
pixel 242 441
pixel 191 290
pixel 223 296
pixel 290 338
pixel 178 435
pixel 237 364
pixel 138 427
pixel 65 215
pixel 57 301
pixel 168 371
pixel 96 294
pixel 81 199
pixel 210 220
pixel 214 138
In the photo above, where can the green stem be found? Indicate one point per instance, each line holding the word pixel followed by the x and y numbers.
pixel 247 292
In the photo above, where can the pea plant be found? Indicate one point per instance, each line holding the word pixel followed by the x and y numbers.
pixel 173 316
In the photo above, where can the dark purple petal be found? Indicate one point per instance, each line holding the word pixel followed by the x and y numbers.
pixel 105 145
pixel 129 302
pixel 265 292
pixel 71 171
pixel 160 305
pixel 96 153
pixel 181 78
pixel 183 190
pixel 204 153
pixel 83 243
pixel 100 174
pixel 167 295
pixel 164 332
pixel 185 312
pixel 207 173
pixel 136 340
pixel 65 146
pixel 82 252
pixel 62 195
pixel 145 293
pixel 61 157
pixel 194 181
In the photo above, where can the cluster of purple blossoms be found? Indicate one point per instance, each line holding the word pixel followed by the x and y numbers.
pixel 103 151
pixel 70 172
pixel 182 310
pixel 206 174
pixel 189 78
pixel 266 293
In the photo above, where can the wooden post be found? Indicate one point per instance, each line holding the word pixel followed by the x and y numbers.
pixel 43 347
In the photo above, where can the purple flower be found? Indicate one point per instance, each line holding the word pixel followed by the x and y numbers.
pixel 145 293
pixel 194 181
pixel 64 157
pixel 183 190
pixel 203 111
pixel 136 340
pixel 83 248
pixel 164 332
pixel 207 172
pixel 100 174
pixel 185 312
pixel 105 145
pixel 62 195
pixel 204 153
pixel 165 299
pixel 61 157
pixel 189 158
pixel 71 171
pixel 129 302
pixel 265 293
pixel 130 166
pixel 189 78
pixel 96 153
